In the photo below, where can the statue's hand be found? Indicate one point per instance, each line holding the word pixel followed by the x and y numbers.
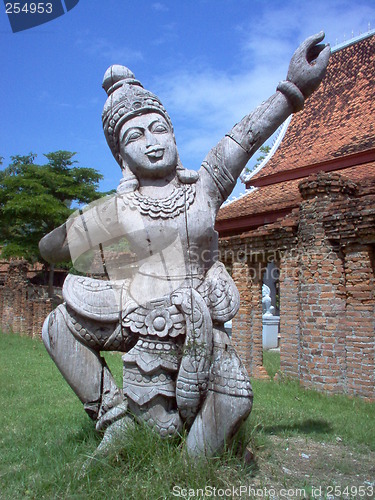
pixel 308 64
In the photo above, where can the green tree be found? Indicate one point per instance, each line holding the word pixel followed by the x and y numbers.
pixel 35 199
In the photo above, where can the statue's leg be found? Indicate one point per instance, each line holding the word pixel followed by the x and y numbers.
pixel 80 363
pixel 228 402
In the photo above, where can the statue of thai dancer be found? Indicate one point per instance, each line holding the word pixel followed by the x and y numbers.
pixel 166 307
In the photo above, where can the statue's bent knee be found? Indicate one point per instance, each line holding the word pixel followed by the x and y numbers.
pixel 52 324
pixel 82 367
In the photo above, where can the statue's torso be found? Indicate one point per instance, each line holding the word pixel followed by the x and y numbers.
pixel 173 241
pixel 171 248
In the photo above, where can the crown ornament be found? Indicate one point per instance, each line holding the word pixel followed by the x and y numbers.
pixel 126 99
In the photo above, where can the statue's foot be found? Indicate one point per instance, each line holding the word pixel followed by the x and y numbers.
pixel 114 434
pixel 113 439
pixel 111 416
pixel 159 415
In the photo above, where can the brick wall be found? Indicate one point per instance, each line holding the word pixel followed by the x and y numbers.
pixel 21 310
pixel 290 340
pixel 248 322
pixel 322 295
pixel 360 322
pixel 325 253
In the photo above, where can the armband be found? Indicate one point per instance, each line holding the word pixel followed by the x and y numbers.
pixel 293 94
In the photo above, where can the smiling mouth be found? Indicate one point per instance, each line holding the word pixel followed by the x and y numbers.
pixel 155 153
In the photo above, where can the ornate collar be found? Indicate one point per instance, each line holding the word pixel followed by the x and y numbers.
pixel 173 205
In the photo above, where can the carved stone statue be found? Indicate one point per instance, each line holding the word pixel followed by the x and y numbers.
pixel 268 309
pixel 166 307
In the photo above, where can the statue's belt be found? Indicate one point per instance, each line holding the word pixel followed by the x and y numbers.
pixel 108 301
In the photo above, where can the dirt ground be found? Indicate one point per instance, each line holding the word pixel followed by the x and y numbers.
pixel 319 470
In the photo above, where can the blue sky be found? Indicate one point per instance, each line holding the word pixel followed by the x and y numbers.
pixel 210 61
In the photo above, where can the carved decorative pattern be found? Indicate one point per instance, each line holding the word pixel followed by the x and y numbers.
pixel 220 293
pixel 156 319
pixel 159 414
pixel 149 355
pixel 191 383
pixel 173 205
pixel 228 375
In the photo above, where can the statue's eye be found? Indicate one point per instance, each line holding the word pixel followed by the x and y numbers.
pixel 132 136
pixel 160 128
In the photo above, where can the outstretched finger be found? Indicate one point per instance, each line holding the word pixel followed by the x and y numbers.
pixel 314 40
pixel 322 59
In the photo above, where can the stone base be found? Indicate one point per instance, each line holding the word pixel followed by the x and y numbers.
pixel 270 331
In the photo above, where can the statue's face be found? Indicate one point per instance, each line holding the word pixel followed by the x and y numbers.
pixel 148 147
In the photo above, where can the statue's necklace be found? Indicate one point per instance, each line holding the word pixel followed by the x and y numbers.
pixel 169 207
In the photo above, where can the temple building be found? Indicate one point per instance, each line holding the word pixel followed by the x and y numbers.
pixel 307 225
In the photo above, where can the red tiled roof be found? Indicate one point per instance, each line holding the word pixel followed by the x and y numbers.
pixel 335 131
pixel 338 119
pixel 267 204
pixel 360 173
pixel 264 199
pixel 264 205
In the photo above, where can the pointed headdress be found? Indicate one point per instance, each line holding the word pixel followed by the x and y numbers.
pixel 126 99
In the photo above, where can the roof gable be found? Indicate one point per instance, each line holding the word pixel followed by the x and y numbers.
pixel 337 120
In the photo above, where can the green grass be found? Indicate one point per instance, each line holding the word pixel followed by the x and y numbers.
pixel 271 362
pixel 46 436
pixel 286 409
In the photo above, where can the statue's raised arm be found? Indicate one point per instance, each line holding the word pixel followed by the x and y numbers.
pixel 226 160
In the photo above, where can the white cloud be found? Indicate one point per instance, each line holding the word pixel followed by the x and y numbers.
pixel 160 7
pixel 208 103
pixel 168 34
pixel 291 22
pixel 212 98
